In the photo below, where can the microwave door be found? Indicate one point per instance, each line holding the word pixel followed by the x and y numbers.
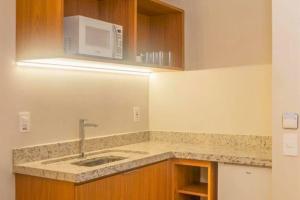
pixel 96 38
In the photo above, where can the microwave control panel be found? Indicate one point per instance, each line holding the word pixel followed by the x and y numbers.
pixel 118 53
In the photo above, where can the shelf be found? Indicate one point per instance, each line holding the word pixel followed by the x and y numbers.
pixel 194 179
pixel 128 63
pixel 156 7
pixel 189 197
pixel 95 63
pixel 160 27
pixel 199 190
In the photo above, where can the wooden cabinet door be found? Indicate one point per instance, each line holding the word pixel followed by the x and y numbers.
pixel 39 28
pixel 148 183
pixel 36 188
pixel 110 188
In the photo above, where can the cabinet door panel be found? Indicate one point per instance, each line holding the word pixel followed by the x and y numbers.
pixel 36 188
pixel 110 188
pixel 148 183
pixel 39 28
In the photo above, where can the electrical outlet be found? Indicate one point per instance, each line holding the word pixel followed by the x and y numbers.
pixel 136 114
pixel 24 122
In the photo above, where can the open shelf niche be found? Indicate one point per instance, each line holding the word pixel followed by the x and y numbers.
pixel 193 180
pixel 160 29
pixel 149 25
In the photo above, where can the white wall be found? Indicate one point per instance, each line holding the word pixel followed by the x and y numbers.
pixel 286 94
pixel 57 99
pixel 234 100
pixel 227 33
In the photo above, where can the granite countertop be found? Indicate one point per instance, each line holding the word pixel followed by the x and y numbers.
pixel 141 154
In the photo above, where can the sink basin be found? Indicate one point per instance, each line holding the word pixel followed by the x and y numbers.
pixel 110 155
pixel 98 161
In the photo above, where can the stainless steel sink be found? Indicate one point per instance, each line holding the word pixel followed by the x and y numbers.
pixel 92 156
pixel 98 161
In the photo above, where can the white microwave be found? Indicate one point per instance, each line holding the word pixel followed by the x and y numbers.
pixel 92 37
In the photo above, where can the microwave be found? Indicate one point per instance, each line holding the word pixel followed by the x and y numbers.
pixel 92 37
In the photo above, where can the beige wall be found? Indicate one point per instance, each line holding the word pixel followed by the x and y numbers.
pixel 235 100
pixel 57 99
pixel 286 94
pixel 227 33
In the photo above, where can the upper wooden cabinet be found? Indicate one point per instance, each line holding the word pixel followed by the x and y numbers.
pixel 149 25
pixel 40 29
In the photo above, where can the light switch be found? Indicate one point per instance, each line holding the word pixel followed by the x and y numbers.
pixel 136 114
pixel 290 144
pixel 290 120
pixel 24 122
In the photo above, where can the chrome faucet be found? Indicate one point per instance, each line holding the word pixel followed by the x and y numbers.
pixel 82 125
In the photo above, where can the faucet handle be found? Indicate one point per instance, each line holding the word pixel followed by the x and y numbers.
pixel 82 120
pixel 83 123
pixel 90 125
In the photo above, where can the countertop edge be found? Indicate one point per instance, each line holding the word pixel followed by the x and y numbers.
pixel 137 163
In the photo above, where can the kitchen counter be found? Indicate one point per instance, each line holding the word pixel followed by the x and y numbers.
pixel 141 154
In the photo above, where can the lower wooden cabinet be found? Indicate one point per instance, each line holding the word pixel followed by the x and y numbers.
pixel 36 188
pixel 147 183
pixel 167 180
pixel 110 188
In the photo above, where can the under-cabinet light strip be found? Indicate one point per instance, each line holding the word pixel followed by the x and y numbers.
pixel 85 68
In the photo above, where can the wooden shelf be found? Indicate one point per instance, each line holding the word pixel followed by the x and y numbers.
pixel 160 27
pixel 156 7
pixel 189 197
pixel 199 190
pixel 194 179
pixel 153 68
